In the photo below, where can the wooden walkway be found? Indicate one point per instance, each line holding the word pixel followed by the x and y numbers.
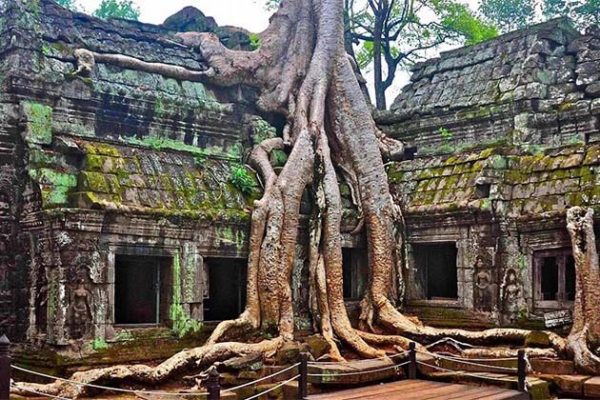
pixel 421 390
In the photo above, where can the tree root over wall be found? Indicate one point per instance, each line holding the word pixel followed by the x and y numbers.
pixel 303 73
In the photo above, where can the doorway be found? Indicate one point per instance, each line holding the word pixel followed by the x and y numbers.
pixel 142 289
pixel 436 265
pixel 227 288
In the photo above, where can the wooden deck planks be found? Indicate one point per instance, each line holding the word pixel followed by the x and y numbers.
pixel 423 390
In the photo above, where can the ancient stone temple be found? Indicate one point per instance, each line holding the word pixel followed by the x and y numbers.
pixel 125 202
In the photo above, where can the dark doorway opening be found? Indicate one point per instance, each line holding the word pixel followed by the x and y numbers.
pixel 554 278
pixel 355 272
pixel 436 266
pixel 549 278
pixel 227 288
pixel 142 289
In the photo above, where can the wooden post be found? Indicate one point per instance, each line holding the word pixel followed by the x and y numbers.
pixel 521 371
pixel 303 379
pixel 4 368
pixel 212 384
pixel 412 358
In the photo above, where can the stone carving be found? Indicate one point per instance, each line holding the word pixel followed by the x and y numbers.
pixel 486 290
pixel 511 289
pixel 80 309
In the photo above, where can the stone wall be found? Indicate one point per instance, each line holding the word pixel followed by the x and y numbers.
pixel 529 87
pixel 114 162
pixel 507 134
pixel 122 162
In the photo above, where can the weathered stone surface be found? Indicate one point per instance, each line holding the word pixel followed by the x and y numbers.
pixel 591 387
pixel 287 354
pixel 354 372
pixel 190 19
pixel 570 385
pixel 544 366
pixel 317 345
pixel 545 68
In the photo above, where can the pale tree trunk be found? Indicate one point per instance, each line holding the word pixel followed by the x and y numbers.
pixel 584 337
pixel 302 72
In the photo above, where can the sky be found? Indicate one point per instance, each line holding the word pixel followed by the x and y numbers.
pixel 248 14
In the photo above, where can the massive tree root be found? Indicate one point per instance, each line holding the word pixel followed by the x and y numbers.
pixel 302 72
pixel 584 338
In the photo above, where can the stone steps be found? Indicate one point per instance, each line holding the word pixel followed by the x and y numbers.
pixel 354 373
pixel 580 386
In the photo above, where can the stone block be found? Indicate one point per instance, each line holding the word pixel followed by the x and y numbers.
pixel 593 89
pixel 591 387
pixel 552 366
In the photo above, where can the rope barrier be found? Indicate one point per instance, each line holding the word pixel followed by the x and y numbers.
pixel 260 379
pixel 498 368
pixel 395 366
pixel 273 388
pixel 481 359
pixel 403 354
pixel 50 396
pixel 91 385
pixel 465 373
pixel 77 383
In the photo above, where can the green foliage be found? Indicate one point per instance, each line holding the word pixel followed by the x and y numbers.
pixel 70 4
pixel 402 33
pixel 254 41
pixel 272 5
pixel 584 12
pixel 508 15
pixel 262 130
pixel 99 344
pixel 514 14
pixel 458 18
pixel 241 179
pixel 364 55
pixel 446 134
pixel 124 9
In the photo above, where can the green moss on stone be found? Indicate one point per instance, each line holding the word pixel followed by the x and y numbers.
pixel 94 181
pixel 98 148
pixel 39 122
pixel 183 324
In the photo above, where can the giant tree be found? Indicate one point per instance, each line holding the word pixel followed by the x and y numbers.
pixel 302 72
pixel 394 34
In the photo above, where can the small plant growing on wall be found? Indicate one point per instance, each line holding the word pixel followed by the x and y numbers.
pixel 446 134
pixel 241 179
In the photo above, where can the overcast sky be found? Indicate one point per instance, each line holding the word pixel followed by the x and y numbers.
pixel 248 14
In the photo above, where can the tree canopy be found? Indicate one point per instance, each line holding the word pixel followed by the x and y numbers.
pixel 124 9
pixel 509 15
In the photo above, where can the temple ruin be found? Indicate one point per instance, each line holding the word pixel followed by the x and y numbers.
pixel 125 200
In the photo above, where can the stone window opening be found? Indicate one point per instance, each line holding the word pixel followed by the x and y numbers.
pixel 554 278
pixel 226 288
pixel 355 272
pixel 483 188
pixel 437 270
pixel 143 288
